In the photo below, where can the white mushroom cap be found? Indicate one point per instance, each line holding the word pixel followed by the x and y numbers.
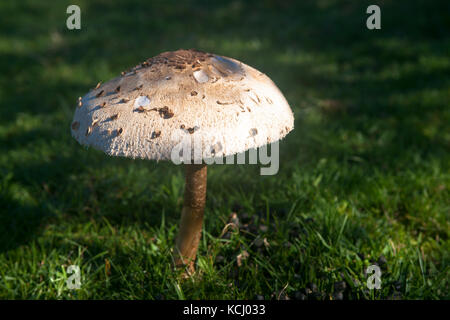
pixel 144 113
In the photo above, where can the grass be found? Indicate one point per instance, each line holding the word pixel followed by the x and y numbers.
pixel 364 177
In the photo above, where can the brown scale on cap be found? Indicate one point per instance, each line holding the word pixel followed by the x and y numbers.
pixel 75 125
pixel 180 58
pixel 189 130
pixel 99 94
pixel 193 129
pixel 141 109
pixel 175 59
pixel 156 134
pixel 223 103
pixel 165 112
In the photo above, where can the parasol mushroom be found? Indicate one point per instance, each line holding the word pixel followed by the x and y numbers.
pixel 229 105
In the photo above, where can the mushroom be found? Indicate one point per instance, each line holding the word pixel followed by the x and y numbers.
pixel 228 105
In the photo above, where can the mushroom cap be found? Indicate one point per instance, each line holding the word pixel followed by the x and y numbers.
pixel 220 104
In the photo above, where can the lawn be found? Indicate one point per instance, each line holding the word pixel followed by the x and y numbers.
pixel 364 177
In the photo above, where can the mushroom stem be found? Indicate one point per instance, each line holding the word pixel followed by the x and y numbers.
pixel 191 216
